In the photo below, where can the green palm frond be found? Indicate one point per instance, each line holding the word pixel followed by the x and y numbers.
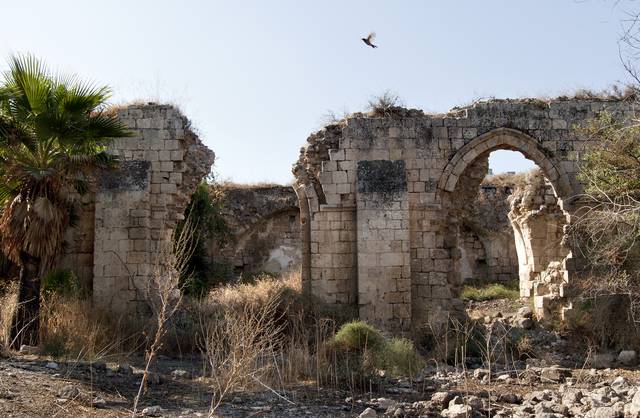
pixel 29 78
pixel 53 137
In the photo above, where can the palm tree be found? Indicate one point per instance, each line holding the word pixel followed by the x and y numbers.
pixel 53 136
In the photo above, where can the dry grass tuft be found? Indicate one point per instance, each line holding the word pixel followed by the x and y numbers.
pixel 231 185
pixel 8 304
pixel 72 327
pixel 260 292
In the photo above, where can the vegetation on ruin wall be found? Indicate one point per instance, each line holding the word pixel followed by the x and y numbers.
pixel 53 136
pixel 205 209
pixel 606 232
pixel 489 292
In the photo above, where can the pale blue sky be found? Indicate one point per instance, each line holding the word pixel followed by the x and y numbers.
pixel 256 76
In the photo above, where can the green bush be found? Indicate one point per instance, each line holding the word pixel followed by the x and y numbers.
pixel 489 292
pixel 401 358
pixel 61 282
pixel 360 336
pixel 55 345
pixel 204 212
pixel 361 350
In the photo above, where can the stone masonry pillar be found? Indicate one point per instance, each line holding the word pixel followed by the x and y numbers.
pixel 384 273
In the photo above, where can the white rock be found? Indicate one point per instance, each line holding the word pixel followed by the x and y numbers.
pixel 99 402
pixel 525 312
pixel 457 400
pixel 442 398
pixel 182 374
pixel 634 407
pixel 385 403
pixel 457 411
pixel 28 349
pixel 628 357
pixel 368 413
pixel 152 411
pixel 52 365
pixel 604 412
pixel 619 383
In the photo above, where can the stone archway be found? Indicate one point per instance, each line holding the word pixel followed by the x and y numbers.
pixel 511 139
pixel 379 194
pixel 537 216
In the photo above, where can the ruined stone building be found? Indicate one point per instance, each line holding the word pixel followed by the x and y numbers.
pixel 390 212
pixel 383 201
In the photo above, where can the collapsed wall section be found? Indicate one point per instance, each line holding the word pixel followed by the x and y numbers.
pixel 539 225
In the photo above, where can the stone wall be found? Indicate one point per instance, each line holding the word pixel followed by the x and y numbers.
pixel 438 152
pixel 129 218
pixel 487 244
pixel 264 224
pixel 79 240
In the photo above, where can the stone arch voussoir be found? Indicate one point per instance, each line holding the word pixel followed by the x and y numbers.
pixel 505 138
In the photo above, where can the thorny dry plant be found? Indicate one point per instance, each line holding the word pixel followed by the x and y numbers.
pixel 238 346
pixel 163 291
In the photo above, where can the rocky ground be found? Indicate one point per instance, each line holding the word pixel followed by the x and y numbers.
pixel 558 383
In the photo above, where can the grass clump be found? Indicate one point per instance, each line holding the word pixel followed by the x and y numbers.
pixel 489 292
pixel 61 282
pixel 360 336
pixel 401 357
pixel 362 350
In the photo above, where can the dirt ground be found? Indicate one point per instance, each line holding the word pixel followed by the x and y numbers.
pixel 33 386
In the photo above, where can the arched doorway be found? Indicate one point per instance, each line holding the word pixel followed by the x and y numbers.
pixel 538 216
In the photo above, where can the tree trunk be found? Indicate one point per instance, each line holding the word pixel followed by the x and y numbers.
pixel 25 328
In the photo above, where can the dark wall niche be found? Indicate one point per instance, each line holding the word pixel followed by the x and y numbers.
pixel 382 176
pixel 129 176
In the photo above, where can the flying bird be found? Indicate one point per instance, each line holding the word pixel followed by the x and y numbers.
pixel 369 40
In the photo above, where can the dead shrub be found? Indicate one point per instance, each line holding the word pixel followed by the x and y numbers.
pixel 239 345
pixel 72 327
pixel 388 104
pixel 605 311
